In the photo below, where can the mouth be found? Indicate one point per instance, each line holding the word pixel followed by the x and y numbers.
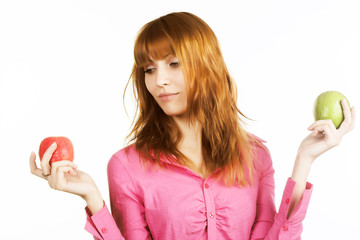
pixel 167 96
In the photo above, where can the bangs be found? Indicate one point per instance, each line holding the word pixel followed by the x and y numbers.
pixel 153 43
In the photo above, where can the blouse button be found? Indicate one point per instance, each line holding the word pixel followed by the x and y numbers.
pixel 206 185
pixel 104 230
pixel 285 228
pixel 287 201
pixel 211 214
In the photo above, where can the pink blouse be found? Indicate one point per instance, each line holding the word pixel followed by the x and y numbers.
pixel 148 202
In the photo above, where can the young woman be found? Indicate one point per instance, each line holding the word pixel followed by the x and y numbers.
pixel 191 171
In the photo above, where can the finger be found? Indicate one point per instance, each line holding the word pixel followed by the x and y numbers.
pixel 45 165
pixel 345 105
pixel 318 131
pixel 326 128
pixel 65 170
pixel 72 168
pixel 33 167
pixel 58 180
pixel 349 118
pixel 64 163
pixel 319 123
pixel 58 165
pixel 346 111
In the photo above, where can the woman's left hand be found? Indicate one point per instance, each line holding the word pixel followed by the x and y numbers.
pixel 325 136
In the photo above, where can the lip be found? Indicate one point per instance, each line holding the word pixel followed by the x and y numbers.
pixel 167 96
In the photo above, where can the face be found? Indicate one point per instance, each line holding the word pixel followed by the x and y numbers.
pixel 165 81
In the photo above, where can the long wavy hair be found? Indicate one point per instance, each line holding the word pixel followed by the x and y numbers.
pixel 212 100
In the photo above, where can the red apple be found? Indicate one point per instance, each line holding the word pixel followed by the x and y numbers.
pixel 64 149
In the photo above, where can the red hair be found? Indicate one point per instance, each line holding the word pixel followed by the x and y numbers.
pixel 212 98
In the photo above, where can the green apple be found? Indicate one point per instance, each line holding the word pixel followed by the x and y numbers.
pixel 328 106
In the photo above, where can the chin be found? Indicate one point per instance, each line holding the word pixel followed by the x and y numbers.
pixel 174 113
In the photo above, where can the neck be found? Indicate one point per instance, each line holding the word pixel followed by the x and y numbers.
pixel 191 145
pixel 191 134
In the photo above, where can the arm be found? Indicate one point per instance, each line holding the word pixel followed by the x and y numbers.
pixel 102 225
pixel 127 208
pixel 270 224
pixel 323 137
pixel 64 176
pixel 287 223
pixel 127 204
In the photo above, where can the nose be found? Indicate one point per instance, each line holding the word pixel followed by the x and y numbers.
pixel 162 77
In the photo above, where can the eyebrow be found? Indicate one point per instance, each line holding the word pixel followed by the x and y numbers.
pixel 151 61
pixel 148 63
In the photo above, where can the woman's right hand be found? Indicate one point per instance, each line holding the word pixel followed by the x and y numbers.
pixel 64 176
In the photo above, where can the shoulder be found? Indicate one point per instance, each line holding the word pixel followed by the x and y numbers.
pixel 126 153
pixel 258 146
pixel 261 153
pixel 124 158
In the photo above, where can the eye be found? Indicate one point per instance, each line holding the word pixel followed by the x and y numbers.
pixel 174 64
pixel 149 70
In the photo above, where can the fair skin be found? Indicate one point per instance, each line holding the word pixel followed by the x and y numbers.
pixel 165 78
pixel 322 138
pixel 165 81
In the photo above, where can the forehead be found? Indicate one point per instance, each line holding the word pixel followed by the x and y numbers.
pixel 153 43
pixel 167 57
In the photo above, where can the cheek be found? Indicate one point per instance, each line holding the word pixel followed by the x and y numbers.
pixel 149 87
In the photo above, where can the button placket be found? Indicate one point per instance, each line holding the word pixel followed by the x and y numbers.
pixel 210 209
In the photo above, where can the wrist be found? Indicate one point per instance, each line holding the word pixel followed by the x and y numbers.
pixel 304 158
pixel 94 201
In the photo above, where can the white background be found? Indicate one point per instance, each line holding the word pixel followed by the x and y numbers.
pixel 64 66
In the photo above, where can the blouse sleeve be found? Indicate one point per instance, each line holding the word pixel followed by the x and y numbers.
pixel 272 225
pixel 127 205
pixel 102 225
pixel 127 220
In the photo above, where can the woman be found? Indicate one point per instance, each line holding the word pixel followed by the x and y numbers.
pixel 192 171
